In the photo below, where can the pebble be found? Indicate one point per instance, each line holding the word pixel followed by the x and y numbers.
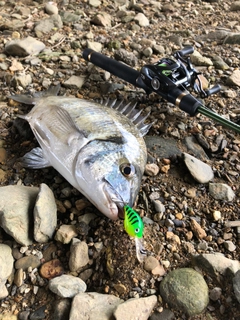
pixel 15 215
pixel 51 269
pixel 74 82
pixel 66 233
pixel 45 26
pixel 61 309
pixel 78 255
pixel 150 263
pixel 141 19
pixel 230 246
pixel 102 19
pixel 151 169
pixel 44 214
pixel 18 277
pixel 38 314
pixel 24 47
pixel 164 314
pixel 51 8
pixel 215 294
pixel 28 261
pixel 159 207
pixel 221 191
pixel 200 171
pixel 234 79
pixel 188 288
pixel 93 306
pixel 141 308
pixel 217 215
pixel 199 60
pixel 67 286
pixel 198 231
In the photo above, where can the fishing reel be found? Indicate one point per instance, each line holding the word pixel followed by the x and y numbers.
pixel 169 78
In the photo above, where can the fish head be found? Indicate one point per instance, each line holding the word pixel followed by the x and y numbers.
pixel 112 178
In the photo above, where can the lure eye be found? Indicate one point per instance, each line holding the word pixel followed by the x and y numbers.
pixel 127 170
pixel 137 230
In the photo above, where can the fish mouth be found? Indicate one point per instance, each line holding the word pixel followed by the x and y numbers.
pixel 115 201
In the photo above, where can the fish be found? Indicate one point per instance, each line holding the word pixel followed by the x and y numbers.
pixel 134 227
pixel 98 148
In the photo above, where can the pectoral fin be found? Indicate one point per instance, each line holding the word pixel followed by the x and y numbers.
pixel 34 159
pixel 56 125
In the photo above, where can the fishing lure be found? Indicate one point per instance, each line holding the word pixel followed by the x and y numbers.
pixel 134 227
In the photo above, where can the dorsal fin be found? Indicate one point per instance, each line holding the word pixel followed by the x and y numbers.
pixel 130 111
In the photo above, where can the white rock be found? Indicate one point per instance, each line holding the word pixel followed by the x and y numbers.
pixel 67 286
pixel 200 171
pixel 78 255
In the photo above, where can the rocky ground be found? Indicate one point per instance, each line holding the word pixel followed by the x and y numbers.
pixel 55 247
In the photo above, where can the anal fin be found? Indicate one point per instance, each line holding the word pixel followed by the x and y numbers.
pixel 34 159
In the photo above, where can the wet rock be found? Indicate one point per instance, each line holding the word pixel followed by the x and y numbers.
pixel 102 19
pixel 24 47
pixel 45 214
pixel 221 191
pixel 234 79
pixel 185 289
pixel 67 286
pixel 78 255
pixel 236 285
pixel 28 261
pixel 201 171
pixel 16 215
pixel 216 263
pixel 66 233
pixel 93 306
pixel 141 308
pixel 45 26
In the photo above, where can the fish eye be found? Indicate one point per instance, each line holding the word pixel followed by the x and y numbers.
pixel 127 170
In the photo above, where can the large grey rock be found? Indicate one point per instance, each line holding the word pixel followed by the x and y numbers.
pixel 6 267
pixel 216 263
pixel 185 289
pixel 141 308
pixel 200 171
pixel 24 47
pixel 67 286
pixel 236 285
pixel 45 214
pixel 16 211
pixel 93 306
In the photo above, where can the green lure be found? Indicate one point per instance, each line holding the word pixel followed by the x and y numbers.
pixel 132 222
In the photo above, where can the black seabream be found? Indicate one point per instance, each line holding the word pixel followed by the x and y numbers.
pixel 99 149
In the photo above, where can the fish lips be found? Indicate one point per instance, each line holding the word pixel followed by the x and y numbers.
pixel 116 201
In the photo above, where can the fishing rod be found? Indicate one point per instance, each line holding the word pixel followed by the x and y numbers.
pixel 168 78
